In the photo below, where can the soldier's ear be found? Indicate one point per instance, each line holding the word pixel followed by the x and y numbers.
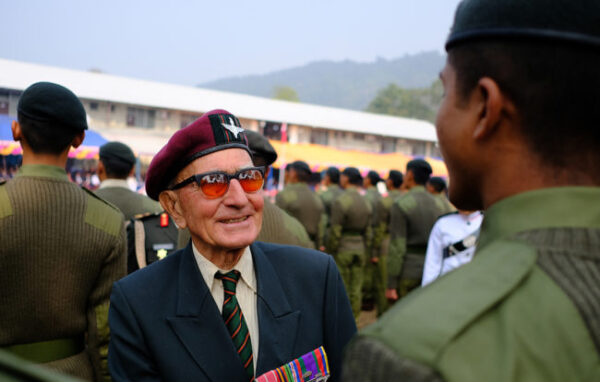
pixel 170 202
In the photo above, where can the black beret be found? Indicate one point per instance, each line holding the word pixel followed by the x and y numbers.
pixel 574 21
pixel 300 165
pixel 117 151
pixel 419 164
pixel 215 130
pixel 52 103
pixel 261 147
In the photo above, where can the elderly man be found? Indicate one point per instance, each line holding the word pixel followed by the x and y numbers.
pixel 225 308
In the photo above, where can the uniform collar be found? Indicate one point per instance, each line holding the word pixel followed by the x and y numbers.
pixel 418 188
pixel 546 208
pixel 119 183
pixel 43 170
pixel 245 266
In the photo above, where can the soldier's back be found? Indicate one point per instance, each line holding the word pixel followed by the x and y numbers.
pixel 302 203
pixel 421 210
pixel 62 249
pixel 356 211
pixel 329 195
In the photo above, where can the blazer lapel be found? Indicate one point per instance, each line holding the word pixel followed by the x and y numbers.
pixel 277 322
pixel 199 325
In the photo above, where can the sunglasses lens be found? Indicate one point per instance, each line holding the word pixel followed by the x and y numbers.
pixel 214 185
pixel 251 180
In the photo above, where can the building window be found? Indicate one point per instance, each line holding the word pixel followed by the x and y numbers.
pixel 4 107
pixel 137 117
pixel 319 136
pixel 93 105
pixel 186 119
pixel 388 145
pixel 113 107
pixel 359 137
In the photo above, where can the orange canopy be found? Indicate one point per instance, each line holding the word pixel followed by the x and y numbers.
pixel 320 157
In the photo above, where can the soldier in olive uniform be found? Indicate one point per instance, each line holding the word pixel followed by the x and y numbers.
pixel 518 128
pixel 331 180
pixel 349 233
pixel 298 200
pixel 381 236
pixel 436 186
pixel 277 225
pixel 371 268
pixel 411 218
pixel 62 246
pixel 116 164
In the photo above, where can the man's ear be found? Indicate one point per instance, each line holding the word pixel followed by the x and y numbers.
pixel 78 140
pixel 170 202
pixel 16 131
pixel 492 106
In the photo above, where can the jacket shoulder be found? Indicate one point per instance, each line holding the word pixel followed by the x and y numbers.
pixel 421 325
pixel 102 214
pixel 293 257
pixel 5 204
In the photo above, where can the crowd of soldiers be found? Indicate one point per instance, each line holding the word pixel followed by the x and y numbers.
pixel 377 241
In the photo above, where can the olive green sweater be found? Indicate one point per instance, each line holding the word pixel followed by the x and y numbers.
pixel 61 250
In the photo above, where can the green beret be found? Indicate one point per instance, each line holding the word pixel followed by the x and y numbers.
pixel 117 151
pixel 52 103
pixel 260 147
pixel 575 21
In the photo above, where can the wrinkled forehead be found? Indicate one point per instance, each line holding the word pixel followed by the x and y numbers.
pixel 229 160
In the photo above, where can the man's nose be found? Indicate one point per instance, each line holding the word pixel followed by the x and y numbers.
pixel 235 196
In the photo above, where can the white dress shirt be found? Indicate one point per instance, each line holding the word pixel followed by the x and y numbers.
pixel 246 291
pixel 446 231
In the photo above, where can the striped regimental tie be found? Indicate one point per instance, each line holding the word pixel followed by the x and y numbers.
pixel 235 322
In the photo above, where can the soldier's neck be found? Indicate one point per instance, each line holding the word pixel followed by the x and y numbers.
pixel 31 158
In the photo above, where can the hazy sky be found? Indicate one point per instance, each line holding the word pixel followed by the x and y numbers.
pixel 189 42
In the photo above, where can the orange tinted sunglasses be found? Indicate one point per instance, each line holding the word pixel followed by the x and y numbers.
pixel 215 184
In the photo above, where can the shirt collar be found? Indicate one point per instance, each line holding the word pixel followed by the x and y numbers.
pixel 418 188
pixel 245 266
pixel 42 170
pixel 120 183
pixel 546 208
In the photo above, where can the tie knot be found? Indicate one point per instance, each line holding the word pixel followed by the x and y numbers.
pixel 229 279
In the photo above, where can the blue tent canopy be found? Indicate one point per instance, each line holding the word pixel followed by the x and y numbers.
pixel 92 138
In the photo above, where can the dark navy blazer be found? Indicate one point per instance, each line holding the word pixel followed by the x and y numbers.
pixel 166 326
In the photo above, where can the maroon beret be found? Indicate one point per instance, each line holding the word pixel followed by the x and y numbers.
pixel 214 131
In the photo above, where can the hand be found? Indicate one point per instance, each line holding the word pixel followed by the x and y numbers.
pixel 374 260
pixel 391 294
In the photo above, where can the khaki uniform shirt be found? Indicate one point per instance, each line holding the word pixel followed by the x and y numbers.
pixel 525 309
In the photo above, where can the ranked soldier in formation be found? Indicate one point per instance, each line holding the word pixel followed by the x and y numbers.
pixel 300 201
pixel 381 236
pixel 349 234
pixel 412 216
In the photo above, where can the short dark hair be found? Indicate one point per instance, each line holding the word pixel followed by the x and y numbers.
pixel 374 177
pixel 116 168
pixel 302 170
pixel 438 184
pixel 421 170
pixel 46 137
pixel 354 176
pixel 334 175
pixel 553 86
pixel 396 177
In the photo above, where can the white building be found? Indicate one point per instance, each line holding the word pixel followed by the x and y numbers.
pixel 144 114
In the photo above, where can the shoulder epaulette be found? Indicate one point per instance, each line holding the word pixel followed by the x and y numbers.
pixel 91 193
pixel 147 215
